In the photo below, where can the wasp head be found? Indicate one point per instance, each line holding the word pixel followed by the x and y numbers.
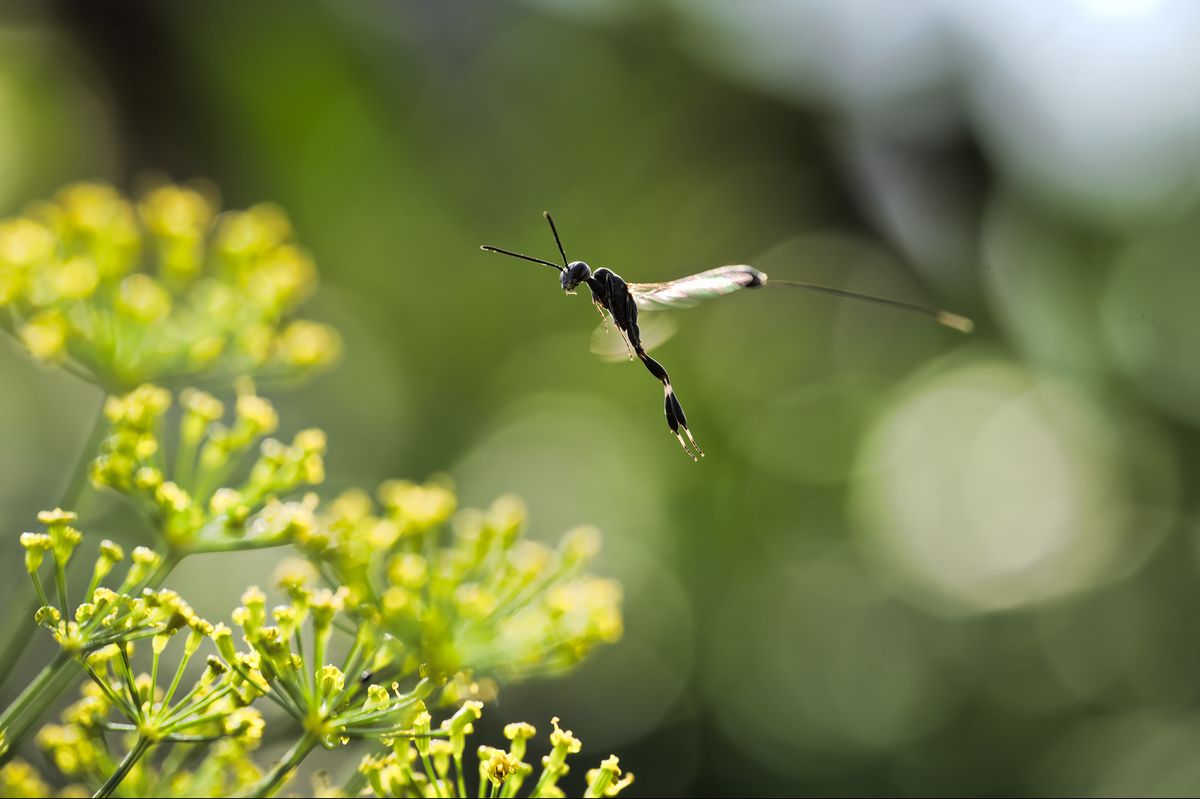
pixel 575 273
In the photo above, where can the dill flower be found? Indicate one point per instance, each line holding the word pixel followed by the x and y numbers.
pixel 467 591
pixel 332 703
pixel 195 509
pixel 105 615
pixel 163 288
pixel 407 770
pixel 214 706
pixel 213 713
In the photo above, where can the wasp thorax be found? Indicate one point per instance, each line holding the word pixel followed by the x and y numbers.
pixel 575 273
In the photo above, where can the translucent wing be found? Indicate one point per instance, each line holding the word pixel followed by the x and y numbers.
pixel 610 344
pixel 687 291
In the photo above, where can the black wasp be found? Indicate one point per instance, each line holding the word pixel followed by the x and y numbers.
pixel 621 301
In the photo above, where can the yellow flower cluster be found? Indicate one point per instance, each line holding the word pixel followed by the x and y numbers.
pixel 422 766
pixel 217 705
pixel 332 703
pixel 78 749
pixel 106 615
pixel 290 647
pixel 467 590
pixel 165 288
pixel 195 510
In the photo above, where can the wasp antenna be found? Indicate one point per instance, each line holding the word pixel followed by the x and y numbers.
pixel 557 240
pixel 511 254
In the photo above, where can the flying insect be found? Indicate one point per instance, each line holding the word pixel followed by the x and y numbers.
pixel 615 298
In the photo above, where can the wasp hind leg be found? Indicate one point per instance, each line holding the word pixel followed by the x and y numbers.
pixel 677 421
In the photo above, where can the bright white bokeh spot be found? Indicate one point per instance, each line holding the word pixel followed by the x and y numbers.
pixel 879 61
pixel 989 487
pixel 1093 104
pixel 1119 9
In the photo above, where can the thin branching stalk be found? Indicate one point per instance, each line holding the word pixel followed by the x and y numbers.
pixel 27 708
pixel 20 619
pixel 129 761
pixel 273 780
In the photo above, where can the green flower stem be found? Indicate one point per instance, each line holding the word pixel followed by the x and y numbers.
pixel 20 616
pixel 458 769
pixel 434 780
pixel 170 559
pixel 128 762
pixel 60 583
pixel 284 768
pixel 185 460
pixel 33 701
pixel 541 783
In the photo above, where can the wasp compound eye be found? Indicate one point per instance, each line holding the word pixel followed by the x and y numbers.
pixel 575 273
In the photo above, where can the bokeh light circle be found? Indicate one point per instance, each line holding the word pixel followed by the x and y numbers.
pixel 988 486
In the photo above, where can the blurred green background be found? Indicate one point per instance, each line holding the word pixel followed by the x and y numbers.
pixel 913 562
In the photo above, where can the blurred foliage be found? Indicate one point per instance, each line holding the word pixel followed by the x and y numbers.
pixel 911 562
